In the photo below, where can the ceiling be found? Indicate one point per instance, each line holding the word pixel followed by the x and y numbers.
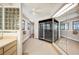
pixel 71 14
pixel 40 11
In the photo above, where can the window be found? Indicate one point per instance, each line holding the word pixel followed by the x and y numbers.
pixel 76 25
pixel 11 18
pixel 23 24
pixel 28 25
pixel 67 26
pixel 62 26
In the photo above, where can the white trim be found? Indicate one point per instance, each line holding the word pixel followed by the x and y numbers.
pixel 15 5
pixel 59 30
pixel 11 7
pixel 3 18
pixel 19 40
pixel 8 30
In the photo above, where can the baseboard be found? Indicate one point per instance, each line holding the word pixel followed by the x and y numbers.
pixel 36 38
pixel 45 40
pixel 25 53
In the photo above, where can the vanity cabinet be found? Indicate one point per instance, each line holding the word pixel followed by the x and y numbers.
pixel 9 49
pixel 1 51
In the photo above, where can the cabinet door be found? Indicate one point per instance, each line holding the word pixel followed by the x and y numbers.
pixel 10 51
pixel 1 51
pixel 10 48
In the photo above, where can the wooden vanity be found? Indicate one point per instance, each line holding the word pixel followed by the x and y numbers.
pixel 8 47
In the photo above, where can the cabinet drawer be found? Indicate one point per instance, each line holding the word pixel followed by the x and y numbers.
pixel 9 46
pixel 1 51
pixel 10 51
pixel 14 53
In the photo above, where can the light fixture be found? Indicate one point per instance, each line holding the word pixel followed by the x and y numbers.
pixel 33 11
pixel 66 8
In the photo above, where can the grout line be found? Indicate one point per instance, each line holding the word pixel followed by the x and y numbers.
pixel 59 49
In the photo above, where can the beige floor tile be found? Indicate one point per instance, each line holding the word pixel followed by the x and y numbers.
pixel 38 47
pixel 69 46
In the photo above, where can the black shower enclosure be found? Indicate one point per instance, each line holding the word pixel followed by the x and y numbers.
pixel 48 30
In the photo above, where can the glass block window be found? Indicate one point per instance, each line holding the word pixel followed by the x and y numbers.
pixel 11 18
pixel 0 18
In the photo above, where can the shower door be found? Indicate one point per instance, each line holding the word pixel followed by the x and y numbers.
pixel 48 31
pixel 41 30
pixel 55 30
pixel 45 30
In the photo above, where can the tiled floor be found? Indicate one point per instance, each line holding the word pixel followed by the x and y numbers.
pixel 69 46
pixel 38 47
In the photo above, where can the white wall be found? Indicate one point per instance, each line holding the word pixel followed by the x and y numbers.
pixel 36 29
pixel 27 31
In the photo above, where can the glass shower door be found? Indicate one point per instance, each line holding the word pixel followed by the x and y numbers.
pixel 55 31
pixel 48 31
pixel 40 30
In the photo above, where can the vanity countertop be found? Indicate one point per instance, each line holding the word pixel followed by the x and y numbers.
pixel 4 42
